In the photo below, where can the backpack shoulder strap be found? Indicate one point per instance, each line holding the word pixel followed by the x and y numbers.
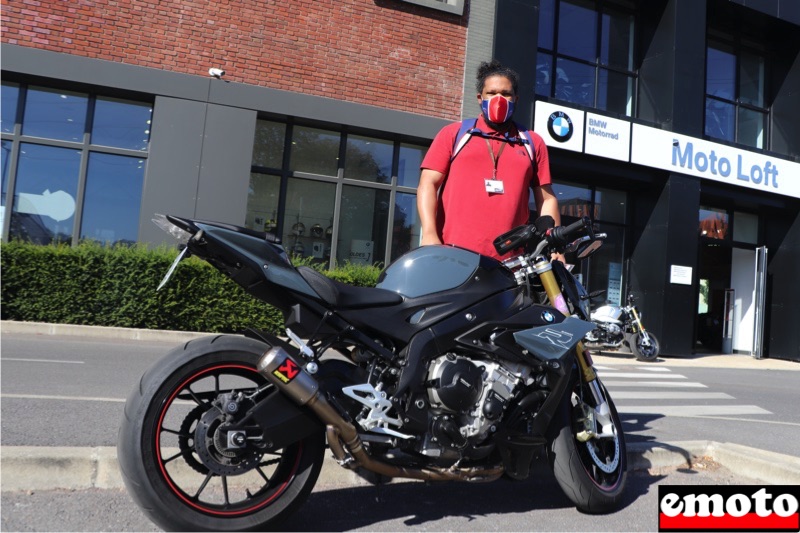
pixel 464 135
pixel 527 141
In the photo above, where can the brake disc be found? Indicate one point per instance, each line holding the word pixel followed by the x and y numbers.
pixel 214 453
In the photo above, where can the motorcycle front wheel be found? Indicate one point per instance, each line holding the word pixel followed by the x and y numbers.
pixel 592 473
pixel 174 456
pixel 645 349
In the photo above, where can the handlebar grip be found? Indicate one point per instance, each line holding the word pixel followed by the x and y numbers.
pixel 560 235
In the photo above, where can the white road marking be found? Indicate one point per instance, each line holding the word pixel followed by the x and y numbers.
pixel 4 359
pixel 630 395
pixel 650 384
pixel 692 411
pixel 62 398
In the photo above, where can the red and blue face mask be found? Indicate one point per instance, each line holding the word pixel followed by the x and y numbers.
pixel 497 109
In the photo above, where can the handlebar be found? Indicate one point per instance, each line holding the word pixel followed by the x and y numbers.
pixel 562 235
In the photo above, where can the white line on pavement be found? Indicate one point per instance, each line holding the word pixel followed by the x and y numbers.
pixel 4 359
pixel 672 395
pixel 693 411
pixel 649 384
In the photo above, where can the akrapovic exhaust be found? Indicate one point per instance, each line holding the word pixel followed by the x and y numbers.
pixel 289 377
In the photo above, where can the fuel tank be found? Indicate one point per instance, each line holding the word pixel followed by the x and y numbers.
pixel 608 313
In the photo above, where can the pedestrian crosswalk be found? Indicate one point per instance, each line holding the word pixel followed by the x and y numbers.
pixel 660 391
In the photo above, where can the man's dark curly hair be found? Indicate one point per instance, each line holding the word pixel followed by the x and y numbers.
pixel 491 68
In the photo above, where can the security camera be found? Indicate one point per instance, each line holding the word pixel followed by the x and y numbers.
pixel 216 72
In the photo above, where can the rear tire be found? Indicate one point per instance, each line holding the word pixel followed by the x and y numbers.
pixel 177 467
pixel 642 351
pixel 592 474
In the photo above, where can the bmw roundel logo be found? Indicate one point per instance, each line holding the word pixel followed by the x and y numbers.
pixel 548 317
pixel 559 126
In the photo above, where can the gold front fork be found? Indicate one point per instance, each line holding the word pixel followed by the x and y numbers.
pixel 545 271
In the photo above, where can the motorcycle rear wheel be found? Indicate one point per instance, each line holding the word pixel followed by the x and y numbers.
pixel 184 478
pixel 642 351
pixel 592 474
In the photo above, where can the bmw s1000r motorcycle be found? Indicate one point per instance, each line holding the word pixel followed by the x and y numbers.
pixel 449 370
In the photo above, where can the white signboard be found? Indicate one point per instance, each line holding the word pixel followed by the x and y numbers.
pixel 608 137
pixel 559 126
pixel 579 131
pixel 680 275
pixel 687 155
pixel 361 252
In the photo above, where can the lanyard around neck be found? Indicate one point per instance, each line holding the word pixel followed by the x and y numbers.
pixel 495 159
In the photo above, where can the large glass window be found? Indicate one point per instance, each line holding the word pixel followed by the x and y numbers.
pixel 55 114
pixel 368 159
pixel 315 151
pixel 608 209
pixel 268 144
pixel 408 165
pixel 407 229
pixel 121 124
pixel 713 223
pixel 586 53
pixel 735 94
pixel 347 197
pixel 308 219
pixel 45 193
pixel 363 225
pixel 59 144
pixel 112 198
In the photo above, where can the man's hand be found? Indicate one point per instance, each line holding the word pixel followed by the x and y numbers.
pixel 432 238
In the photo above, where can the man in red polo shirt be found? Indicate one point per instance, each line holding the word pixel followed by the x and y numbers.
pixel 471 199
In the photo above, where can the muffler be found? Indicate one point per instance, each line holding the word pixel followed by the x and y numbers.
pixel 292 380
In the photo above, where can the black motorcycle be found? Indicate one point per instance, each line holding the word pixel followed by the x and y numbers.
pixel 449 370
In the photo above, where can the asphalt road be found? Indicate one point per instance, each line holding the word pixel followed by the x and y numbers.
pixel 504 505
pixel 70 391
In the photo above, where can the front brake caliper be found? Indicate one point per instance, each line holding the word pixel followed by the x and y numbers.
pixel 585 423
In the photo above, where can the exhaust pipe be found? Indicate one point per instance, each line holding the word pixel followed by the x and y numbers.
pixel 292 380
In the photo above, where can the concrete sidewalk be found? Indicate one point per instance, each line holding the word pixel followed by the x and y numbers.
pixel 45 468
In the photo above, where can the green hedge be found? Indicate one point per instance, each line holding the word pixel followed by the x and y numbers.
pixel 116 286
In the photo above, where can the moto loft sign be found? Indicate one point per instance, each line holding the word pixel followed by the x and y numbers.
pixel 687 157
pixel 580 131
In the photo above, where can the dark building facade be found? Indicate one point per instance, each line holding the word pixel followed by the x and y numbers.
pixel 675 124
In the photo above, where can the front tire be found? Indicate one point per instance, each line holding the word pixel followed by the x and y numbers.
pixel 645 349
pixel 593 473
pixel 174 458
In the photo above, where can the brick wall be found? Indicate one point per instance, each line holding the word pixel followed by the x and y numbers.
pixel 376 52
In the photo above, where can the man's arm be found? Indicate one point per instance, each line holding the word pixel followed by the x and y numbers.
pixel 547 202
pixel 427 202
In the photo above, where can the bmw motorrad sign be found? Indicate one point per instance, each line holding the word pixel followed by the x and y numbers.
pixel 580 131
pixel 559 126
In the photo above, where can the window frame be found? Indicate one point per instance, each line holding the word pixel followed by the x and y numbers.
pixel 341 179
pixel 601 8
pixel 85 146
pixel 738 47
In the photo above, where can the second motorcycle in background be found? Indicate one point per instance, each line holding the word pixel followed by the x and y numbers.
pixel 621 327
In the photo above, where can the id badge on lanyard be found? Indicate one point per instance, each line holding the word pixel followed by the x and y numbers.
pixel 494 185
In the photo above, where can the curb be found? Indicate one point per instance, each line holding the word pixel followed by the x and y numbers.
pixel 76 468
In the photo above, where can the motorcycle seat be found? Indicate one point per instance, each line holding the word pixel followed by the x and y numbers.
pixel 344 296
